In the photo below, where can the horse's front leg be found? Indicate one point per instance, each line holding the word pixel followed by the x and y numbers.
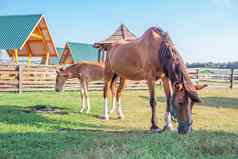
pixel 168 92
pixel 154 127
pixel 82 98
pixel 87 96
pixel 113 92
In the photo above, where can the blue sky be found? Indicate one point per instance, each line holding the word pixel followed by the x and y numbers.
pixel 204 30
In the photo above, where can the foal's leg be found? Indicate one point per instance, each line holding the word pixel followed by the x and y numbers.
pixel 87 96
pixel 168 92
pixel 154 127
pixel 82 90
pixel 118 96
pixel 113 92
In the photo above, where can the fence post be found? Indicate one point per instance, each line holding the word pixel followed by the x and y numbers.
pixel 197 75
pixel 20 79
pixel 231 78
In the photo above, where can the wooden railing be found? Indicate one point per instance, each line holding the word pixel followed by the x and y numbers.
pixel 21 78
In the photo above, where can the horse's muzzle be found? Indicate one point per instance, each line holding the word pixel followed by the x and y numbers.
pixel 184 127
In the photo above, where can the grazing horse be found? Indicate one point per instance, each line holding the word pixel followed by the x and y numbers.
pixel 151 57
pixel 85 72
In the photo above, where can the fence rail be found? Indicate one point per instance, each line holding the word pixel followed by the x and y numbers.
pixel 20 78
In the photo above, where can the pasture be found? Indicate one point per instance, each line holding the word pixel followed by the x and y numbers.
pixel 49 125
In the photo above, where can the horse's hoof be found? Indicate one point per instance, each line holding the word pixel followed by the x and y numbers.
pixel 104 117
pixel 156 130
pixel 81 110
pixel 120 117
pixel 169 128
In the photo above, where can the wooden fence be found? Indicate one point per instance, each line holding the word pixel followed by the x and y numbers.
pixel 21 78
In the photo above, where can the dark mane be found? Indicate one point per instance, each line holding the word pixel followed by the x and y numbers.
pixel 170 60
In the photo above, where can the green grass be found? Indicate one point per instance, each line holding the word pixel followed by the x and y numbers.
pixel 68 134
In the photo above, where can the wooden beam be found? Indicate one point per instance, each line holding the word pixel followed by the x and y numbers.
pixel 37 36
pixel 29 53
pixel 47 58
pixel 16 56
pixel 46 48
pixel 38 40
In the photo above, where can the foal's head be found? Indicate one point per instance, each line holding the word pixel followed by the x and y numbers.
pixel 185 93
pixel 61 77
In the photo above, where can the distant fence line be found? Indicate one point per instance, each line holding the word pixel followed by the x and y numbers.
pixel 21 78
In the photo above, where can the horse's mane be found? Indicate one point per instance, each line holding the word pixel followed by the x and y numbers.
pixel 170 59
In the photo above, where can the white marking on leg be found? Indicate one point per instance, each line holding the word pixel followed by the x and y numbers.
pixel 168 121
pixel 113 104
pixel 82 100
pixel 119 109
pixel 105 116
pixel 88 104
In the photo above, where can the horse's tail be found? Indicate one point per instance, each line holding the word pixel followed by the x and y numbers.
pixel 113 79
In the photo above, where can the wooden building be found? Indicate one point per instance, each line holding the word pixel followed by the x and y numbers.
pixel 55 60
pixel 122 33
pixel 76 52
pixel 26 36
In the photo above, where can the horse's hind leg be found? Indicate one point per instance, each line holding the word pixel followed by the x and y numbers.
pixel 168 91
pixel 113 92
pixel 118 96
pixel 154 127
pixel 105 95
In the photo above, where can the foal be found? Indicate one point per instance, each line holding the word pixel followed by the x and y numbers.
pixel 85 72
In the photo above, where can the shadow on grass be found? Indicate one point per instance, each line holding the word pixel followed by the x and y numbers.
pixel 31 116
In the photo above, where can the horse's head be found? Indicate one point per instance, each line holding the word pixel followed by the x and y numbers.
pixel 61 77
pixel 183 100
pixel 185 93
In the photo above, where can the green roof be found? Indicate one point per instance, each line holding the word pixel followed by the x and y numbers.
pixel 83 52
pixel 55 60
pixel 15 29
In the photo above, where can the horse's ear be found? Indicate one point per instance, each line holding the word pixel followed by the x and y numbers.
pixel 191 91
pixel 199 87
pixel 194 96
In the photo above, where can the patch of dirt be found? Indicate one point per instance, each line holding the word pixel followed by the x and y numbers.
pixel 45 109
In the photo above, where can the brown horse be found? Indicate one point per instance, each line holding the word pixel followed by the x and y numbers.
pixel 85 72
pixel 153 57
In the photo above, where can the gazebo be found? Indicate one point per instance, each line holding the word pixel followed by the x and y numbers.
pixel 122 33
pixel 26 36
pixel 75 52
